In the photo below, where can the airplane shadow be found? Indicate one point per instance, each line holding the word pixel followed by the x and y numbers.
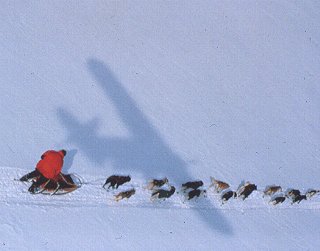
pixel 144 151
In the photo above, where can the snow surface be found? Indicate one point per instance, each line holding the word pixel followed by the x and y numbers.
pixel 182 89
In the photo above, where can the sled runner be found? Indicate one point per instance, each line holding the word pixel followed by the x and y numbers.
pixel 67 183
pixel 71 182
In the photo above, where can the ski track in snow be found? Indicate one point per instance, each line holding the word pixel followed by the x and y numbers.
pixel 91 194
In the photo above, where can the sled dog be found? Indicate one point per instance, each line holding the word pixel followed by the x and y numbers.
pixel 163 194
pixel 270 190
pixel 299 198
pixel 116 181
pixel 228 195
pixel 277 200
pixel 245 190
pixel 196 193
pixel 192 185
pixel 157 183
pixel 125 194
pixel 218 185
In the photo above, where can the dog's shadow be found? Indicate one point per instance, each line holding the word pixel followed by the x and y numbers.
pixel 144 151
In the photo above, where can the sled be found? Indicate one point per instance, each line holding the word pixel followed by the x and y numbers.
pixel 68 184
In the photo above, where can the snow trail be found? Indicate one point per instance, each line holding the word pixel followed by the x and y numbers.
pixel 91 194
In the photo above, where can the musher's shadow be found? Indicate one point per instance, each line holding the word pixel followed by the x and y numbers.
pixel 144 151
pixel 68 160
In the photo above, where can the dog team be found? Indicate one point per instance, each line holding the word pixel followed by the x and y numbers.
pixel 193 189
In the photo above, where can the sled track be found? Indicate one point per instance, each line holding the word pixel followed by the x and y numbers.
pixel 91 194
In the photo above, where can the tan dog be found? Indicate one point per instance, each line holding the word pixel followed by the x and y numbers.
pixel 270 190
pixel 157 183
pixel 218 185
pixel 125 194
pixel 312 192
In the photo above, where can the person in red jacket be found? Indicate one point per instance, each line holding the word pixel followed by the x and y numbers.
pixel 48 171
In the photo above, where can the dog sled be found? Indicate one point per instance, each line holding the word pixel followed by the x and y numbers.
pixel 67 183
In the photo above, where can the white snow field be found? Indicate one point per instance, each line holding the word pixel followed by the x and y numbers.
pixel 151 89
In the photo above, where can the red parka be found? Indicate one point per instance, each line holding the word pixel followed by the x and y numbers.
pixel 51 164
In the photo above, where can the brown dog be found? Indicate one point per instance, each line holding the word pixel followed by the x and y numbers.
pixel 245 190
pixel 196 193
pixel 192 185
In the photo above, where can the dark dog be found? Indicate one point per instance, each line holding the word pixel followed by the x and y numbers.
pixel 125 194
pixel 299 198
pixel 270 190
pixel 157 183
pixel 116 181
pixel 228 195
pixel 277 200
pixel 246 190
pixel 196 193
pixel 192 184
pixel 292 193
pixel 163 194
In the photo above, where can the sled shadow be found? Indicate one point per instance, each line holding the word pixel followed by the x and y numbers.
pixel 144 151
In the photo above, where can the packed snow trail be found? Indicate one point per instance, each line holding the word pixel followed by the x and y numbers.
pixel 91 194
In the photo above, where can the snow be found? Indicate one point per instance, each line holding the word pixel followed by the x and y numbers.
pixel 182 89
